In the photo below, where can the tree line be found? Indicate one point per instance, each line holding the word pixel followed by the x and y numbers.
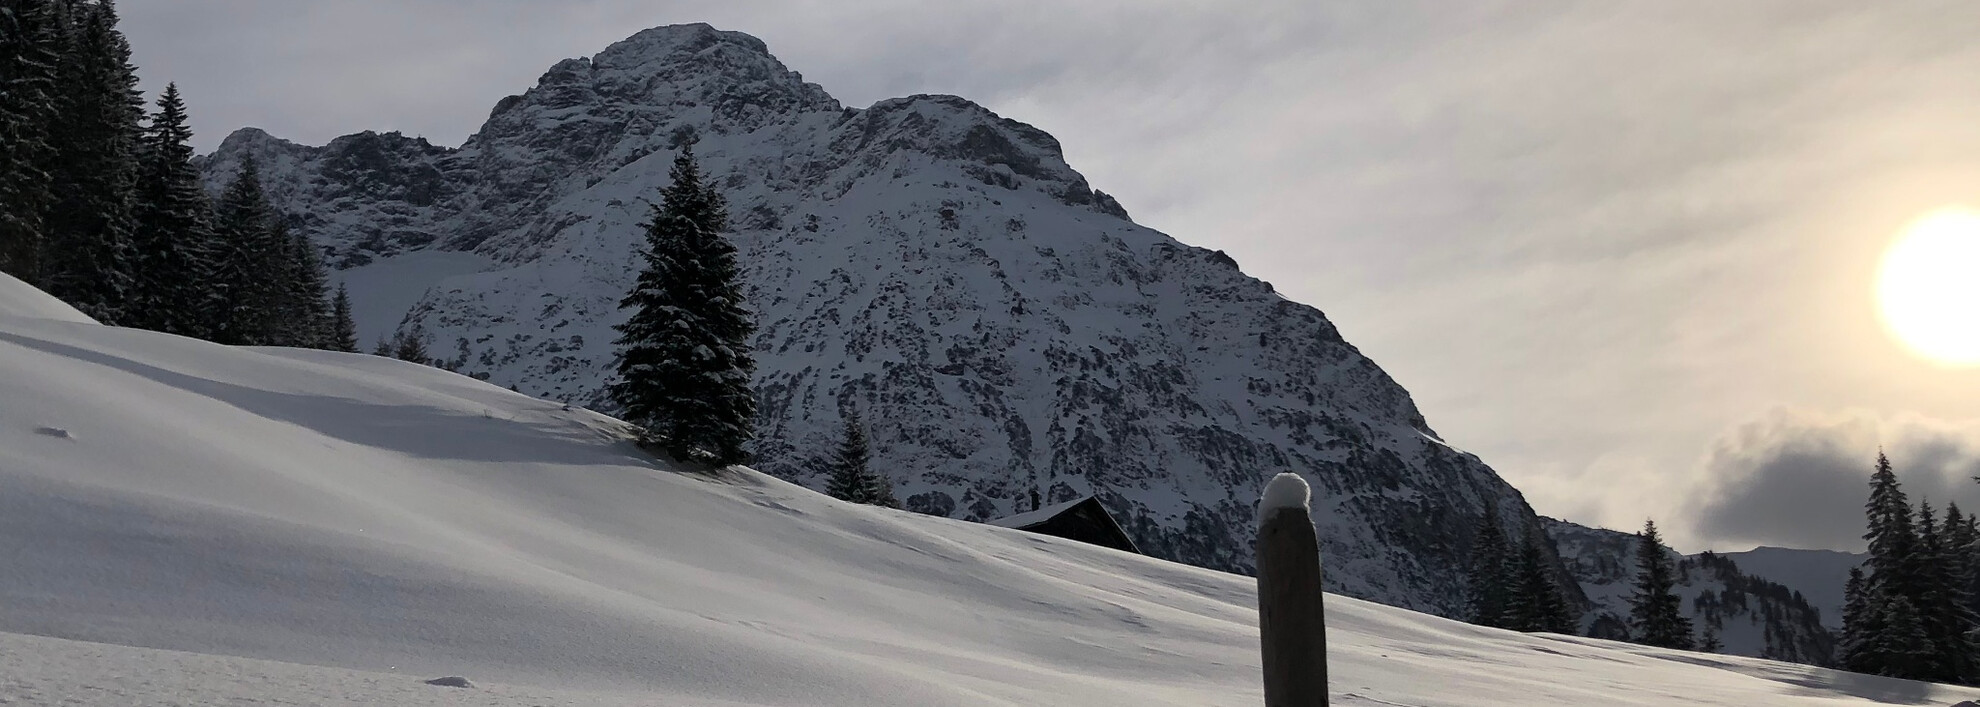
pixel 102 207
pixel 1913 614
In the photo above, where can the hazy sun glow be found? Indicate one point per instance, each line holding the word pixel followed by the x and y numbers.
pixel 1928 288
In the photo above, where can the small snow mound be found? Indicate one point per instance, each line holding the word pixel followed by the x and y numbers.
pixel 1286 490
pixel 53 432
pixel 19 299
pixel 451 681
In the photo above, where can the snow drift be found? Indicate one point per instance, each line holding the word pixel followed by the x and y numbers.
pixel 366 523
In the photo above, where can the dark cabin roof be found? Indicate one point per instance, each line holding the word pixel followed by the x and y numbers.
pixel 1084 520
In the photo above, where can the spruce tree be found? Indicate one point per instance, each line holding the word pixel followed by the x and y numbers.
pixel 850 480
pixel 172 241
pixel 247 269
pixel 685 362
pixel 1710 642
pixel 306 316
pixel 87 258
pixel 1892 538
pixel 343 329
pixel 1537 603
pixel 1656 613
pixel 1491 588
pixel 1902 642
pixel 1941 602
pixel 410 345
pixel 30 40
pixel 1862 619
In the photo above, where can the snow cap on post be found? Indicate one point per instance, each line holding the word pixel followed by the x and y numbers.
pixel 1286 490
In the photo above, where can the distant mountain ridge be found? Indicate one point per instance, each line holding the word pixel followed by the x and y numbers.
pixel 1752 614
pixel 924 262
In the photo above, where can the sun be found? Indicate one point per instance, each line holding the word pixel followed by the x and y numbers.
pixel 1928 287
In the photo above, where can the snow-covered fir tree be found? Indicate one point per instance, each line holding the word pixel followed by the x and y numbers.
pixel 87 258
pixel 343 328
pixel 1656 614
pixel 29 42
pixel 172 238
pixel 684 355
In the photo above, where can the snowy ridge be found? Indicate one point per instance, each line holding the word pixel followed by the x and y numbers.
pixel 1752 615
pixel 934 267
pixel 244 526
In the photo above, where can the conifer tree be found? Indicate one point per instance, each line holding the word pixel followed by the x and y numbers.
pixel 1893 540
pixel 1491 587
pixel 343 329
pixel 1902 642
pixel 1537 603
pixel 172 240
pixel 850 476
pixel 87 258
pixel 1656 613
pixel 306 318
pixel 685 361
pixel 29 53
pixel 1862 620
pixel 1710 642
pixel 248 264
pixel 1941 602
pixel 410 345
pixel 880 489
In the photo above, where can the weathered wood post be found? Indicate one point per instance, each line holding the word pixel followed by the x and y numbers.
pixel 1292 626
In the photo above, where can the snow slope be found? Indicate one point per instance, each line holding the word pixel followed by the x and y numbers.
pixel 249 526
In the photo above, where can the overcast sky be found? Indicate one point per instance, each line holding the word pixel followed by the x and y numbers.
pixel 1622 253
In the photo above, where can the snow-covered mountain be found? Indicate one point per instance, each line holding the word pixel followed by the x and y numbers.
pixel 1752 615
pixel 936 268
pixel 186 523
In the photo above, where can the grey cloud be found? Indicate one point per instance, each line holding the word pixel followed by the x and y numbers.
pixel 1800 479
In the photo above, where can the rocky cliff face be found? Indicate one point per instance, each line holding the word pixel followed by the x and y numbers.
pixel 925 263
pixel 1753 615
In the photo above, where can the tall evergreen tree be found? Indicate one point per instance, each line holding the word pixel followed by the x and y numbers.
pixel 87 256
pixel 685 360
pixel 1491 585
pixel 1656 614
pixel 1862 620
pixel 1902 642
pixel 1535 602
pixel 1710 642
pixel 30 42
pixel 250 257
pixel 1941 601
pixel 171 237
pixel 849 478
pixel 305 314
pixel 343 329
pixel 1893 540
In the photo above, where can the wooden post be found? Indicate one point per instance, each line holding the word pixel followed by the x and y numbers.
pixel 1292 624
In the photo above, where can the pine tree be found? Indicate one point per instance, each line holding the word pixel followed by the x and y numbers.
pixel 1862 619
pixel 1902 643
pixel 1941 601
pixel 410 345
pixel 306 317
pixel 1491 587
pixel 1656 613
pixel 87 258
pixel 172 241
pixel 1710 642
pixel 343 329
pixel 30 40
pixel 247 267
pixel 849 480
pixel 880 489
pixel 685 361
pixel 1893 540
pixel 1537 603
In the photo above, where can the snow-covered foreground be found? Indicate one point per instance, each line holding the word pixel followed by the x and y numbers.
pixel 244 526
